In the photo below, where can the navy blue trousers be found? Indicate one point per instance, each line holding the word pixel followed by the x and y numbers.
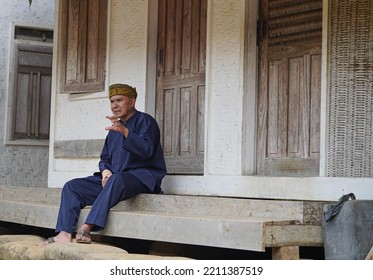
pixel 81 192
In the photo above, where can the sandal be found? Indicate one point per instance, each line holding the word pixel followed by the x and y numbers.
pixel 49 241
pixel 83 236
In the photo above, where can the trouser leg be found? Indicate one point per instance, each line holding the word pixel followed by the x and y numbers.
pixel 75 195
pixel 120 186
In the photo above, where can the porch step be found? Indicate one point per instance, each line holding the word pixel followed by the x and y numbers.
pixel 174 204
pixel 245 224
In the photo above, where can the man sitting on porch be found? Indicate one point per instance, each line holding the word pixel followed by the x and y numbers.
pixel 131 163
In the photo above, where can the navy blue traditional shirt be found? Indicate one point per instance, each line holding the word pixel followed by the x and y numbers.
pixel 140 153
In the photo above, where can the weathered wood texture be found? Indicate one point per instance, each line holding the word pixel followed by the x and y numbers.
pixel 180 99
pixel 285 253
pixel 289 88
pixel 82 45
pixel 245 224
pixel 32 96
pixel 313 211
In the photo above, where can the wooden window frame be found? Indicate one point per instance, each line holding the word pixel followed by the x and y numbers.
pixel 24 59
pixel 34 111
pixel 82 45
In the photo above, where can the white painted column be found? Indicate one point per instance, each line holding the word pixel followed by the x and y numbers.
pixel 224 87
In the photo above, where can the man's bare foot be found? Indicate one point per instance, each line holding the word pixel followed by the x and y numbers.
pixel 61 237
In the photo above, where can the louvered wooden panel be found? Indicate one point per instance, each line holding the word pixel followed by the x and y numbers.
pixel 292 21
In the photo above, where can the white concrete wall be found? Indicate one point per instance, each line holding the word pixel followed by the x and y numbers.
pixel 20 164
pixel 128 45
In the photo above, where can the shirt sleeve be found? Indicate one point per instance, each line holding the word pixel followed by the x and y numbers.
pixel 142 143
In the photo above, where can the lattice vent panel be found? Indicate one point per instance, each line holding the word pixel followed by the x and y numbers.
pixel 351 76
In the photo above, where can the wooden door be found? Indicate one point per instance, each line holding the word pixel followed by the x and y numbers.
pixel 180 98
pixel 289 87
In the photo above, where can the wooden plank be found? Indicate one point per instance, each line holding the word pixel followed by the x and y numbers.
pixel 200 123
pixel 195 45
pixel 187 38
pixel 315 96
pixel 93 38
pixel 186 125
pixel 291 166
pixel 274 145
pixel 284 110
pixel 72 41
pixel 21 110
pixel 169 51
pixel 83 33
pixel 293 235
pixel 45 108
pixel 209 221
pixel 31 214
pixel 178 56
pixel 313 211
pixel 176 119
pixel 295 69
pixel 62 26
pixel 181 204
pixel 102 41
pixel 161 37
pixel 285 253
pixel 202 36
pixel 245 234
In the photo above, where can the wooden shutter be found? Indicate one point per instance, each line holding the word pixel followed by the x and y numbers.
pixel 289 88
pixel 83 30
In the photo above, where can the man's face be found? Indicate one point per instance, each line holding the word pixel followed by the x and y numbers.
pixel 122 106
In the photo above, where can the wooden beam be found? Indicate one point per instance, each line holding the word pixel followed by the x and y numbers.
pixel 285 253
pixel 293 235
